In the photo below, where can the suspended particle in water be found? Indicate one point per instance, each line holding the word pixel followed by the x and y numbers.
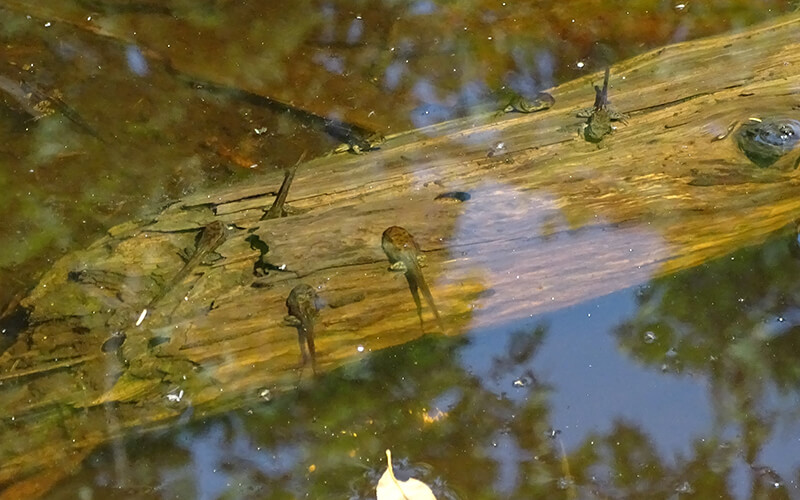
pixel 685 488
pixel 522 382
pixel 565 483
pixel 649 337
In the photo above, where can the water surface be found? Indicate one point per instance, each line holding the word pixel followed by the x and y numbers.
pixel 682 387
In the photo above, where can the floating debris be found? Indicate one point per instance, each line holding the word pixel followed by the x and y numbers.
pixel 459 196
pixel 391 488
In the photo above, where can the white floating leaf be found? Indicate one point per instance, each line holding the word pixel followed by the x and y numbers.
pixel 389 488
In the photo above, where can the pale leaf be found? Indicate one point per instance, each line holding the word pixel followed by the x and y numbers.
pixel 390 488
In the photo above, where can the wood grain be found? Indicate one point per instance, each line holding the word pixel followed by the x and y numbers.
pixel 551 221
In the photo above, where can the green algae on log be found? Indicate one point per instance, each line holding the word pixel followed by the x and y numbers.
pixel 550 220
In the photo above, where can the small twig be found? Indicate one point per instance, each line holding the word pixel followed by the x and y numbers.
pixel 276 210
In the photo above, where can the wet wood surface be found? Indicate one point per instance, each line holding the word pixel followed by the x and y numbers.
pixel 551 220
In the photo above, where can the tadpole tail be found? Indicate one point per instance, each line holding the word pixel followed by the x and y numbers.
pixel 187 268
pixel 415 273
pixel 311 349
pixel 301 341
pixel 413 285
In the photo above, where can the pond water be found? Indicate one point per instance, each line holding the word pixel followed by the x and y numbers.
pixel 162 101
pixel 682 387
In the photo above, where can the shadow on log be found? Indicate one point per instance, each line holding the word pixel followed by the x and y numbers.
pixel 550 220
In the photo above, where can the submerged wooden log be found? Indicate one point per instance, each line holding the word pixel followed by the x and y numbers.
pixel 551 220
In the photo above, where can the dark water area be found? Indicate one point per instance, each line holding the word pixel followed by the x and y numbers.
pixel 684 387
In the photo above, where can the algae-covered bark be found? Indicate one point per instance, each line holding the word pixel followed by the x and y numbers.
pixel 551 220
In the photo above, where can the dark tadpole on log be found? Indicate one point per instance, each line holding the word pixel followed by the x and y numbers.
pixel 765 141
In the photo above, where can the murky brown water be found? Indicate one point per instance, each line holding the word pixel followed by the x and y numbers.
pixel 683 388
pixel 176 93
